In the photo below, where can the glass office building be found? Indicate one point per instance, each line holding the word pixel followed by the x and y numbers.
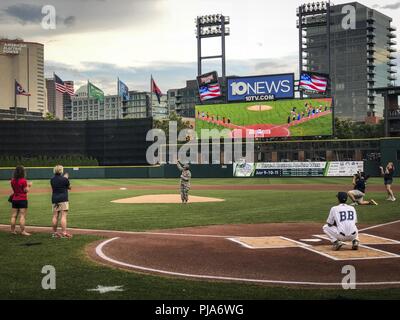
pixel 362 56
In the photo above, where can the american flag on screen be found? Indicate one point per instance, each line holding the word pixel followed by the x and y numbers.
pixel 209 92
pixel 314 83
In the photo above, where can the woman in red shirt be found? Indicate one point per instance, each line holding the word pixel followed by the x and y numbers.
pixel 19 199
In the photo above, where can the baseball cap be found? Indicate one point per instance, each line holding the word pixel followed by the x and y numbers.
pixel 342 196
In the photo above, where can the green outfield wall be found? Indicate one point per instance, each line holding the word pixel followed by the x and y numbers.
pixel 388 150
pixel 154 172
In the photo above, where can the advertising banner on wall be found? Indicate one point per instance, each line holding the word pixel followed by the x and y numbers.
pixel 261 88
pixel 344 168
pixel 298 169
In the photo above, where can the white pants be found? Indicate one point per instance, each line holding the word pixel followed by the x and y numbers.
pixel 334 234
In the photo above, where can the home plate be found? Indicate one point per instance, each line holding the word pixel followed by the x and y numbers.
pixel 311 240
pixel 123 189
pixel 165 198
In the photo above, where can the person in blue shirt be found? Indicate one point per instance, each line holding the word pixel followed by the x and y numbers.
pixel 358 193
pixel 60 186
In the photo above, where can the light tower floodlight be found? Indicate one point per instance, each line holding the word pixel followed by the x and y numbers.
pixel 211 26
pixel 315 14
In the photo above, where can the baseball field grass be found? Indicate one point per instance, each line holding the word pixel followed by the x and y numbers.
pixel 21 263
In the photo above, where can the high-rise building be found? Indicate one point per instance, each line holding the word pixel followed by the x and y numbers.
pixel 54 100
pixel 137 107
pixel 93 109
pixel 58 104
pixel 23 62
pixel 361 54
pixel 139 104
pixel 67 102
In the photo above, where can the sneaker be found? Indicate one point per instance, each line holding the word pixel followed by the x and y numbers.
pixel 337 245
pixel 389 199
pixel 393 199
pixel 354 204
pixel 66 236
pixel 355 243
pixel 373 202
pixel 56 235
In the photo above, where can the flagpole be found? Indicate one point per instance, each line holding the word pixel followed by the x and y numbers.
pixel 151 95
pixel 87 105
pixel 15 99
pixel 119 98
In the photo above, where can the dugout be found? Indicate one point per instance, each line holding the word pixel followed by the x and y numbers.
pixel 111 142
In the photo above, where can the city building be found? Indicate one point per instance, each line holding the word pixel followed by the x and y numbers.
pixel 67 103
pixel 138 106
pixel 58 104
pixel 361 54
pixel 54 100
pixel 183 101
pixel 92 109
pixel 23 62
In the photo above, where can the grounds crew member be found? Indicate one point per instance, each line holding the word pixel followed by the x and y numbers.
pixel 341 224
pixel 186 175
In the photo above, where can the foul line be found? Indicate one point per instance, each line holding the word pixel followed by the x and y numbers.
pixel 101 254
pixel 93 231
pixel 380 225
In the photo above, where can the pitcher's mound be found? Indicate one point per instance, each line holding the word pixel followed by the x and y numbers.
pixel 259 108
pixel 165 198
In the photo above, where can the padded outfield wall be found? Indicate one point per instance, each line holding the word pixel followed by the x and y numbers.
pixel 137 172
pixel 111 142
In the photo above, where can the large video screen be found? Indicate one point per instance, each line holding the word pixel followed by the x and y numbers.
pixel 268 119
pixel 313 83
pixel 209 87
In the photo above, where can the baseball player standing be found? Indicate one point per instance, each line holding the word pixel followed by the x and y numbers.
pixel 186 175
pixel 341 224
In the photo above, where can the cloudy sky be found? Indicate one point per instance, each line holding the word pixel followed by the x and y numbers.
pixel 101 40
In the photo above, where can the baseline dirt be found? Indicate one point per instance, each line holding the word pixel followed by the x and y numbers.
pixel 208 253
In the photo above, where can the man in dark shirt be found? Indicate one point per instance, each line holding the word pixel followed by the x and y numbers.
pixel 358 193
pixel 60 185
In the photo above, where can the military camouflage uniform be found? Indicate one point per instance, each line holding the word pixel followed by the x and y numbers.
pixel 185 182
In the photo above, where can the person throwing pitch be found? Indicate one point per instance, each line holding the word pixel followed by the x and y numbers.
pixel 388 179
pixel 186 175
pixel 342 224
pixel 60 185
pixel 358 193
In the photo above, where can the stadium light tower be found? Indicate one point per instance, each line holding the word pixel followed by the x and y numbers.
pixel 211 26
pixel 315 14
